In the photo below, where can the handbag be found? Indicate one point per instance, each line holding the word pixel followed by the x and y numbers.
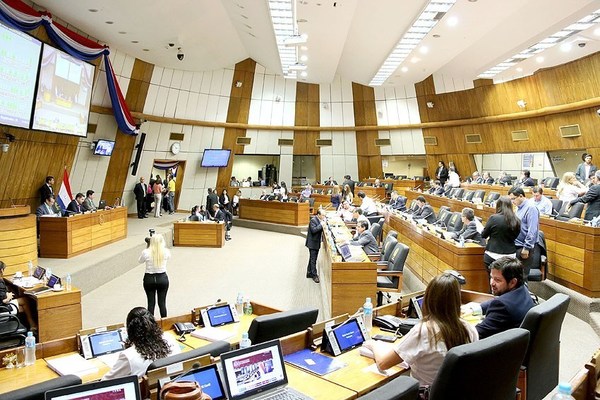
pixel 183 390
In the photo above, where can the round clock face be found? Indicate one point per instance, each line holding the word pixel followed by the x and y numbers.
pixel 175 148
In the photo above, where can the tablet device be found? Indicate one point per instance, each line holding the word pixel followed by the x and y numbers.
pixel 345 336
pixel 208 379
pixel 53 280
pixel 39 272
pixel 415 307
pixel 106 343
pixel 219 315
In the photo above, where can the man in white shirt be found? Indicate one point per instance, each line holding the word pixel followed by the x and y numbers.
pixel 368 205
pixel 541 202
pixel 345 212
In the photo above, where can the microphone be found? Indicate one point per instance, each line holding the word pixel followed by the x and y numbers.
pixel 195 365
pixel 213 305
pixel 350 318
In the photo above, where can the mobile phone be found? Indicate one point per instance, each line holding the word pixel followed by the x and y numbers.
pixel 385 338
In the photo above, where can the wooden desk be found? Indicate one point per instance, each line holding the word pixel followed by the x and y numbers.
pixel 69 236
pixel 503 190
pixel 321 200
pixel 198 234
pixel 276 212
pixel 377 194
pixel 58 313
pixel 399 185
pixel 18 238
pixel 430 255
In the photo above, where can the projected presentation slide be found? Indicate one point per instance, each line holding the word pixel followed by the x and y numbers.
pixel 64 93
pixel 19 59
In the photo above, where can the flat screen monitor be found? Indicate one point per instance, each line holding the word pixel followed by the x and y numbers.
pixel 19 61
pixel 215 158
pixel 104 147
pixel 126 388
pixel 208 379
pixel 348 335
pixel 106 343
pixel 64 93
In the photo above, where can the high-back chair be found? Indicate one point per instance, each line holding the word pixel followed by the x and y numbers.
pixel 574 212
pixel 468 196
pixel 12 331
pixel 389 277
pixel 542 360
pixel 388 246
pixel 479 194
pixel 556 206
pixel 376 231
pixel 278 325
pixel 491 197
pixel 455 223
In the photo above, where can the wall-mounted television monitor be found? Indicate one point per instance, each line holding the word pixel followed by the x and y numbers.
pixel 215 158
pixel 19 62
pixel 104 147
pixel 64 93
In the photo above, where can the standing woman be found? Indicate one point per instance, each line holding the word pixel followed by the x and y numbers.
pixel 157 189
pixel 347 195
pixel 336 197
pixel 156 281
pixel 501 231
pixel 224 200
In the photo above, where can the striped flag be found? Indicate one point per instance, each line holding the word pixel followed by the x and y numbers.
pixel 65 195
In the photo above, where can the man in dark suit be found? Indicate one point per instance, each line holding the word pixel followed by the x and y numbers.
pixel 425 211
pixel 140 191
pixel 469 230
pixel 397 202
pixel 441 173
pixel 46 189
pixel 348 181
pixel 48 208
pixel 508 309
pixel 526 179
pixel 592 198
pixel 211 199
pixel 585 169
pixel 365 238
pixel 313 242
pixel 74 206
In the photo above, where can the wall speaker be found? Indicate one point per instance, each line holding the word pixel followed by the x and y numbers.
pixel 138 154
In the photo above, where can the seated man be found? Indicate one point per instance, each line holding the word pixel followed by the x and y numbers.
pixel 49 208
pixel 475 178
pixel 507 310
pixel 76 205
pixel 368 205
pixel 345 212
pixel 469 230
pixel 365 238
pixel 525 179
pixel 541 202
pixel 377 183
pixel 504 179
pixel 436 188
pixel 306 192
pixel 330 182
pixel 487 179
pixel 358 215
pixel 88 203
pixel 397 202
pixel 425 211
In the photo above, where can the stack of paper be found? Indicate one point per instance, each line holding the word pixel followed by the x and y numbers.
pixel 211 334
pixel 73 364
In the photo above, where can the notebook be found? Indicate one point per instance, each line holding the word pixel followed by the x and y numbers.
pixel 257 372
pixel 209 380
pixel 126 388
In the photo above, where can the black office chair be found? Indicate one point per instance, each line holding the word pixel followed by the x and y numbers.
pixel 392 233
pixel 386 249
pixel 390 278
pixel 215 349
pixel 401 388
pixel 479 194
pixel 37 391
pixel 539 266
pixel 413 207
pixel 278 325
pixel 12 331
pixel 541 361
pixel 468 196
pixel 491 197
pixel 574 212
pixel 455 223
pixel 453 192
pixel 443 216
pixel 376 231
pixel 551 182
pixel 458 193
pixel 556 206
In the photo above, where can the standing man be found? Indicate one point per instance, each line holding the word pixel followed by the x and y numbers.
pixel 313 242
pixel 592 198
pixel 211 199
pixel 348 181
pixel 88 203
pixel 441 173
pixel 140 191
pixel 586 168
pixel 75 205
pixel 171 193
pixel 46 189
pixel 530 223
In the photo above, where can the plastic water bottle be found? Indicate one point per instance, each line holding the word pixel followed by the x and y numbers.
pixel 564 392
pixel 245 342
pixel 68 282
pixel 247 307
pixel 368 314
pixel 239 304
pixel 48 273
pixel 30 349
pixel 462 241
pixel 30 268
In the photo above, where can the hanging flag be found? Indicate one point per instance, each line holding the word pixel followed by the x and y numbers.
pixel 65 195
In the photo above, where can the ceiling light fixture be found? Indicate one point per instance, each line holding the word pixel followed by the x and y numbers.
pixel 284 20
pixel 573 29
pixel 566 47
pixel 433 12
pixel 539 59
pixel 304 74
pixel 303 58
pixel 404 69
pixel 452 21
pixel 423 49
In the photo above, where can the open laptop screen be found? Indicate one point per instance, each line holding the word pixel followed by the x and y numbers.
pixel 254 370
pixel 208 379
pixel 348 335
pixel 220 315
pixel 105 343
pixel 126 388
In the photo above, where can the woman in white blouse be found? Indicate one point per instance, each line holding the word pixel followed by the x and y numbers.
pixel 145 344
pixel 570 188
pixel 156 281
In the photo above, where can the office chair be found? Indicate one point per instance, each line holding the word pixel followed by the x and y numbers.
pixel 389 277
pixel 401 388
pixel 444 216
pixel 12 331
pixel 37 391
pixel 551 182
pixel 556 206
pixel 376 231
pixel 491 197
pixel 574 212
pixel 413 207
pixel 214 349
pixel 278 325
pixel 455 223
pixel 458 193
pixel 539 266
pixel 468 196
pixel 386 249
pixel 541 361
pixel 479 194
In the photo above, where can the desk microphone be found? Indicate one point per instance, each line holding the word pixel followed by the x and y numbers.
pixel 350 318
pixel 213 305
pixel 195 365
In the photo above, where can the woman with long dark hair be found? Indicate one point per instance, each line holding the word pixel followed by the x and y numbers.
pixel 425 346
pixel 501 231
pixel 145 344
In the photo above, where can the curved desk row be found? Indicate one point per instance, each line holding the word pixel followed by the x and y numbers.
pixel 277 212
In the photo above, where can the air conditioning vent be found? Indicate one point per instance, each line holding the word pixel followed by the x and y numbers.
pixel 383 142
pixel 243 141
pixel 473 138
pixel 285 142
pixel 430 140
pixel 176 136
pixel 568 131
pixel 518 136
pixel 323 142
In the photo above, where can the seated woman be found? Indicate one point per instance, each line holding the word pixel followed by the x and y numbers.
pixel 425 346
pixel 146 343
pixel 20 304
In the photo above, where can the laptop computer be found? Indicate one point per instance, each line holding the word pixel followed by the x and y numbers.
pixel 53 280
pixel 126 388
pixel 207 378
pixel 257 372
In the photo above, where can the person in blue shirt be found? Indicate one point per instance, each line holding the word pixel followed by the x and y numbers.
pixel 541 202
pixel 530 223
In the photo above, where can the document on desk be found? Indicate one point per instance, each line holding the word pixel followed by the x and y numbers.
pixel 314 362
pixel 212 334
pixel 73 364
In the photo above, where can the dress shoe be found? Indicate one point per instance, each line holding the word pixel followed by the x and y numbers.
pixel 316 279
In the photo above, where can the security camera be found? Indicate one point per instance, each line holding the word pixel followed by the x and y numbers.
pixel 180 54
pixel 581 44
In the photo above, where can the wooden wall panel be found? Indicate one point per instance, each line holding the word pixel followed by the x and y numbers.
pixel 237 112
pixel 120 161
pixel 365 114
pixel 308 113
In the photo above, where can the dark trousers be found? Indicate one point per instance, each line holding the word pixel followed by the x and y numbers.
pixel 311 270
pixel 526 262
pixel 141 207
pixel 157 284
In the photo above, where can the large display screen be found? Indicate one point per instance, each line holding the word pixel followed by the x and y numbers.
pixel 19 60
pixel 64 93
pixel 215 158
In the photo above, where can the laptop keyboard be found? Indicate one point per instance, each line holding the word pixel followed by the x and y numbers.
pixel 286 394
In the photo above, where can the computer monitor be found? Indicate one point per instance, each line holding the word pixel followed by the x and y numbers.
pixel 208 379
pixel 106 343
pixel 126 388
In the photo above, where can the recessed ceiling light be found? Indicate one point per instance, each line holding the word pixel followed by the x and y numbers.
pixel 452 21
pixel 539 59
pixel 303 58
pixel 566 47
pixel 145 49
pixel 519 69
pixel 304 74
pixel 303 48
pixel 423 49
pixel 109 22
pixel 415 60
pixel 122 32
pixel 436 36
pixel 404 69
pixel 135 41
pixel 93 10
pixel 472 1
